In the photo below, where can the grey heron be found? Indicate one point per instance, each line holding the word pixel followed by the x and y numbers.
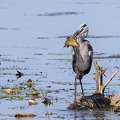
pixel 82 53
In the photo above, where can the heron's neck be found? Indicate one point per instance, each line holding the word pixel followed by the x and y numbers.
pixel 80 40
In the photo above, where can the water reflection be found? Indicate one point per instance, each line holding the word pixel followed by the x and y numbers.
pixel 94 114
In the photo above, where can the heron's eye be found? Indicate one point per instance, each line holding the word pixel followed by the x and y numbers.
pixel 84 25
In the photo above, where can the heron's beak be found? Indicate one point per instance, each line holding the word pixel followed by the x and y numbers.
pixel 71 42
pixel 77 33
pixel 81 29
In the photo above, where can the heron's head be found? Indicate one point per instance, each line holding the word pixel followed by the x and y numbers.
pixel 81 32
pixel 71 42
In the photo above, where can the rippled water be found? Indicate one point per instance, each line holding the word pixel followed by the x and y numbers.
pixel 32 36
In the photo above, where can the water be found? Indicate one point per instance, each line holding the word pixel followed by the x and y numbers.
pixel 32 36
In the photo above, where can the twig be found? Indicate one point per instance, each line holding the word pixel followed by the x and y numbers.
pixel 103 71
pixel 115 99
pixel 110 79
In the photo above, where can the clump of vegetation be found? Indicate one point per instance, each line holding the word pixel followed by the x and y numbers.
pixel 29 83
pixel 9 91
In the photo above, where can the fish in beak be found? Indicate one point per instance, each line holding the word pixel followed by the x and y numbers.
pixel 71 42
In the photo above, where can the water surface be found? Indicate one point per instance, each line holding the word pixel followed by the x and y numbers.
pixel 32 36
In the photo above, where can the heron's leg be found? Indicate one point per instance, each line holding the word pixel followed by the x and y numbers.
pixel 81 87
pixel 75 90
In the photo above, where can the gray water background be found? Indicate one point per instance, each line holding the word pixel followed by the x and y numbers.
pixel 32 36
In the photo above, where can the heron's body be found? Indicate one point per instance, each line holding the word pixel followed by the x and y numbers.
pixel 80 64
pixel 82 53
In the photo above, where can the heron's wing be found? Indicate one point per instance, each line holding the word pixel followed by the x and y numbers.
pixel 90 56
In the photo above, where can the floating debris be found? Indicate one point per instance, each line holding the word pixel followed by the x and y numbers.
pixel 34 93
pixel 32 102
pixel 9 91
pixel 19 74
pixel 47 101
pixel 24 115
